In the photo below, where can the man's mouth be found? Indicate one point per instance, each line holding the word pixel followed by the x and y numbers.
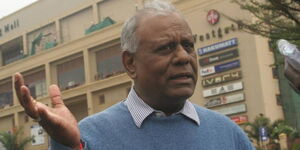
pixel 182 76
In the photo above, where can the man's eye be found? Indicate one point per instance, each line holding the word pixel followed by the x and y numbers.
pixel 167 47
pixel 188 46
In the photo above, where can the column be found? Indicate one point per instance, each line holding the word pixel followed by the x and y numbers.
pixel 58 32
pixel 96 13
pixel 87 70
pixel 89 99
pixel 25 45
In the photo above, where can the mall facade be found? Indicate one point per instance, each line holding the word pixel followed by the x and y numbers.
pixel 76 45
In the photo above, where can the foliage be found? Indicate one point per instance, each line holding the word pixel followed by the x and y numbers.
pixel 280 126
pixel 13 141
pixel 252 128
pixel 273 129
pixel 296 147
pixel 275 19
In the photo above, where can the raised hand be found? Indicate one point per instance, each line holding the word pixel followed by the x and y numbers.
pixel 58 121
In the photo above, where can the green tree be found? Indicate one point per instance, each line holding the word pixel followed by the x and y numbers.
pixel 13 141
pixel 252 128
pixel 281 126
pixel 273 129
pixel 275 19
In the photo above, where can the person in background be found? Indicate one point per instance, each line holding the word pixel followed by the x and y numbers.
pixel 159 56
pixel 293 76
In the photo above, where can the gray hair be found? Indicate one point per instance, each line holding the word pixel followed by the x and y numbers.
pixel 129 39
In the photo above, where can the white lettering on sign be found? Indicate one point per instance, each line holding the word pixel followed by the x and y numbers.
pixel 222 79
pixel 232 110
pixel 207 71
pixel 213 17
pixel 223 89
pixel 9 27
pixel 217 46
pixel 225 100
pixel 239 119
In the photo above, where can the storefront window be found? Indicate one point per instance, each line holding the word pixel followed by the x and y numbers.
pixel 12 51
pixel 36 82
pixel 109 62
pixel 71 74
pixel 6 94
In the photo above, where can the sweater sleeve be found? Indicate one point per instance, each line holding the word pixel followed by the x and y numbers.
pixel 57 146
pixel 243 141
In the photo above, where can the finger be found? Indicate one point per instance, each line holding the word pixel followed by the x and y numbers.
pixel 19 81
pixel 55 96
pixel 29 103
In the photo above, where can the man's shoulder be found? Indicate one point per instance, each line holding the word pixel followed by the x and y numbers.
pixel 112 113
pixel 210 116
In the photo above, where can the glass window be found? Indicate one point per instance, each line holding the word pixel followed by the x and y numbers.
pixel 6 94
pixel 109 62
pixel 12 51
pixel 12 56
pixel 71 74
pixel 36 82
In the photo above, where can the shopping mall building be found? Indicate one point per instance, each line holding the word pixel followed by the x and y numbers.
pixel 76 44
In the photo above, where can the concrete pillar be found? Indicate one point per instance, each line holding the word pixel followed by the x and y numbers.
pixel 16 120
pixel 58 32
pixel 1 58
pixel 48 75
pixel 89 98
pixel 87 68
pixel 96 16
pixel 25 45
pixel 283 141
pixel 15 98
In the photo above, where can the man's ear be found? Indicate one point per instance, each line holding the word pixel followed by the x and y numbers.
pixel 129 64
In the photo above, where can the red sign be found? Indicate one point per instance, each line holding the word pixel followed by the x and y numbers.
pixel 213 17
pixel 239 119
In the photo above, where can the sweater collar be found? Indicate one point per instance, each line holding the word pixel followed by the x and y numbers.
pixel 139 110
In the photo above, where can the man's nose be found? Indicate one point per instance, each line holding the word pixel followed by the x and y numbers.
pixel 181 56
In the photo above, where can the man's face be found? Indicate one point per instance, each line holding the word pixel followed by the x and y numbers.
pixel 165 61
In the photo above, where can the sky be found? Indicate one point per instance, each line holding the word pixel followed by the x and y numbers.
pixel 9 6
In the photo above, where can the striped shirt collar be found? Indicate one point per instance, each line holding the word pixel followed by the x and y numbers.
pixel 139 110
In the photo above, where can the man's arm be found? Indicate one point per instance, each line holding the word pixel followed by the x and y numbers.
pixel 58 121
pixel 293 76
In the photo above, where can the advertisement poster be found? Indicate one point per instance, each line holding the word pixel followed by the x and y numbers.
pixel 223 89
pixel 37 132
pixel 217 46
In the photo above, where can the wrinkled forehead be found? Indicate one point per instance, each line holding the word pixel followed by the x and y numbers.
pixel 153 22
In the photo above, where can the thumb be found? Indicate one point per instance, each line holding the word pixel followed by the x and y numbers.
pixel 55 96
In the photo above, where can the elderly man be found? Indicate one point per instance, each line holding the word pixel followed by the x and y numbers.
pixel 158 54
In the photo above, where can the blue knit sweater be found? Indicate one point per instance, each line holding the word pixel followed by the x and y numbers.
pixel 114 129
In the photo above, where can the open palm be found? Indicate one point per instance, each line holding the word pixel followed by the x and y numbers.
pixel 58 121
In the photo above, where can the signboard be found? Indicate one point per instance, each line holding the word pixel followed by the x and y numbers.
pixel 219 57
pixel 9 27
pixel 217 46
pixel 220 68
pixel 223 89
pixel 222 79
pixel 213 17
pixel 233 109
pixel 207 71
pixel 225 100
pixel 227 66
pixel 37 132
pixel 240 119
pixel 263 133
